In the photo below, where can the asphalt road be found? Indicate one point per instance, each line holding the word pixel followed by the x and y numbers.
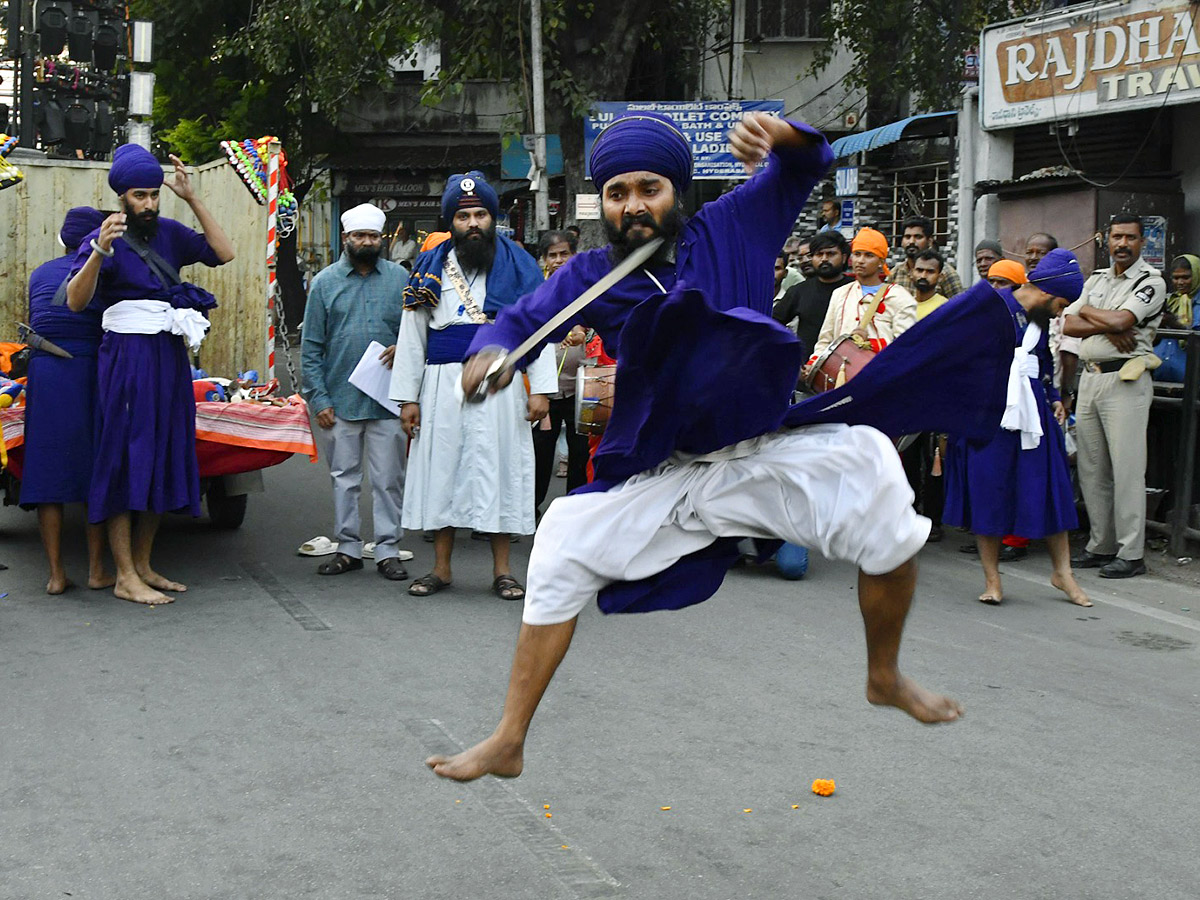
pixel 263 737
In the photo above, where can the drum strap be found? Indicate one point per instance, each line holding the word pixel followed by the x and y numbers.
pixel 876 302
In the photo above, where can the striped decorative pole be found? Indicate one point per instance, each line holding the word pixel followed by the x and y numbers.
pixel 273 148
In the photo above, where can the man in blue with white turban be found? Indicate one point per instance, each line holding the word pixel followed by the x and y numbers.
pixel 469 466
pixel 145 442
pixel 703 447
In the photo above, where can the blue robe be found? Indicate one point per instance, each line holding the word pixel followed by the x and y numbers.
pixel 997 488
pixel 705 366
pixel 145 439
pixel 61 394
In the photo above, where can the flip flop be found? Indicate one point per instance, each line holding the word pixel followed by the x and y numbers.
pixel 318 546
pixel 369 552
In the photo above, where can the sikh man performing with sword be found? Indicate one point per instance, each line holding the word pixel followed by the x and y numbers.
pixel 702 447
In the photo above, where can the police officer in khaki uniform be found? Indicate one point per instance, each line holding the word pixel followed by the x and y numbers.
pixel 1116 316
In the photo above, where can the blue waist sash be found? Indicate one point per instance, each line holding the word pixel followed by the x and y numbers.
pixel 449 345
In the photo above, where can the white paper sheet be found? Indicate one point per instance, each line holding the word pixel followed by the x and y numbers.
pixel 373 378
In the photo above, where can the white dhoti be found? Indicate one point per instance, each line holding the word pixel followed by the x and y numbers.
pixel 836 489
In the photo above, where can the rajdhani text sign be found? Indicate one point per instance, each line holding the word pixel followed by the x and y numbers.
pixel 706 124
pixel 1107 57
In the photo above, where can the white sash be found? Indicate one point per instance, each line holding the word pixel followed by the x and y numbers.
pixel 1020 409
pixel 154 316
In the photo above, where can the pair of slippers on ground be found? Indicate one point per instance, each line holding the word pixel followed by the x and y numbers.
pixel 504 586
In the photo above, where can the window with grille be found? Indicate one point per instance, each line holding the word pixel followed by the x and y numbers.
pixel 767 19
pixel 921 191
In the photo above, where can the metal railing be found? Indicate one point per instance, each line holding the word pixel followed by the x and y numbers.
pixel 1177 529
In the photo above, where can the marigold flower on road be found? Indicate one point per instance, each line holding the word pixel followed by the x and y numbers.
pixel 823 786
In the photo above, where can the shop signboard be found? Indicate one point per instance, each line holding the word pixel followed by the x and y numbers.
pixel 705 123
pixel 1089 60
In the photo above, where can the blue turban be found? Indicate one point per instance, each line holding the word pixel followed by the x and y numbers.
pixel 468 192
pixel 78 224
pixel 642 142
pixel 133 166
pixel 1058 275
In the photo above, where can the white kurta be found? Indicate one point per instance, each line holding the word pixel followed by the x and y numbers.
pixel 848 304
pixel 471 464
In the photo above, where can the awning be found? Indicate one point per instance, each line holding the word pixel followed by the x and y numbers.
pixel 889 134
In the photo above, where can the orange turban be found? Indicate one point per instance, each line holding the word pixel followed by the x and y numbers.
pixel 1008 269
pixel 435 238
pixel 871 241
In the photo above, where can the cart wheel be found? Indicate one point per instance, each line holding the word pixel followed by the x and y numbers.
pixel 224 510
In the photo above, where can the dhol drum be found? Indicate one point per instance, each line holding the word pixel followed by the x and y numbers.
pixel 594 389
pixel 842 361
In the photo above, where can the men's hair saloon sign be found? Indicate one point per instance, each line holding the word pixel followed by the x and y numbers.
pixel 1089 60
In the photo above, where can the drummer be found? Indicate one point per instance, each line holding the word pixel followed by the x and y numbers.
pixel 853 310
pixel 60 406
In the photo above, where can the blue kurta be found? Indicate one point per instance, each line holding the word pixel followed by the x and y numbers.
pixel 145 443
pixel 997 488
pixel 706 366
pixel 61 394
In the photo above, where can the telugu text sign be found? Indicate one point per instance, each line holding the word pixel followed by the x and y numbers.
pixel 706 125
pixel 1049 68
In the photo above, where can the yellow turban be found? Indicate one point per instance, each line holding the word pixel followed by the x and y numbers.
pixel 872 241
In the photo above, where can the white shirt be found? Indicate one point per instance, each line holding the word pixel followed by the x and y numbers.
pixel 848 304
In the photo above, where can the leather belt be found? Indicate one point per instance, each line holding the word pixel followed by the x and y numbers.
pixel 1105 368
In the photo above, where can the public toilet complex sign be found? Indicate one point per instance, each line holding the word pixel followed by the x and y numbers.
pixel 706 125
pixel 1089 60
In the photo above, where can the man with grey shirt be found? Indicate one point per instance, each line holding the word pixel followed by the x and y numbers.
pixel 353 302
pixel 1116 316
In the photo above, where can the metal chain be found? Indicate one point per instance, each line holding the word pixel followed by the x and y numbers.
pixel 281 332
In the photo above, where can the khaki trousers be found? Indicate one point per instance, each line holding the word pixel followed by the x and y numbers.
pixel 1110 431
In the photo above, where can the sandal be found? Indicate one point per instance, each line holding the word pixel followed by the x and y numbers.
pixel 427 585
pixel 339 565
pixel 508 588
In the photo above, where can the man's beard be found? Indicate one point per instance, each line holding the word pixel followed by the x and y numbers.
pixel 828 270
pixel 475 253
pixel 923 285
pixel 143 225
pixel 911 251
pixel 807 269
pixel 622 244
pixel 1040 316
pixel 367 253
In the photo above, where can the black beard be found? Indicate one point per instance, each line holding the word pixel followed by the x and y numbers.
pixel 923 286
pixel 807 270
pixel 143 225
pixel 476 254
pixel 911 251
pixel 828 270
pixel 368 253
pixel 621 245
pixel 1040 316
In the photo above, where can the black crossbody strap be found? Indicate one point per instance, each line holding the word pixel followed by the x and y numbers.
pixel 163 270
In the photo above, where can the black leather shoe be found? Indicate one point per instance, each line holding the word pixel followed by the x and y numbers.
pixel 1012 554
pixel 392 569
pixel 973 549
pixel 1089 560
pixel 1123 568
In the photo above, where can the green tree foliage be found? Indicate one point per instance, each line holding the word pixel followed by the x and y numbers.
pixel 911 46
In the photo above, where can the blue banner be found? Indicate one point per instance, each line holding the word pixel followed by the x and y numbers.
pixel 705 123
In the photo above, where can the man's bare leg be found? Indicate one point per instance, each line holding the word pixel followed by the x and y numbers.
pixel 1063 578
pixel 989 556
pixel 143 542
pixel 129 584
pixel 884 601
pixel 540 648
pixel 98 574
pixel 443 549
pixel 50 519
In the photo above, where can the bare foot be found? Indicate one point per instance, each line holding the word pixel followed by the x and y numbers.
pixel 137 591
pixel 152 578
pixel 904 693
pixel 489 757
pixel 990 598
pixel 58 583
pixel 1069 586
pixel 101 581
